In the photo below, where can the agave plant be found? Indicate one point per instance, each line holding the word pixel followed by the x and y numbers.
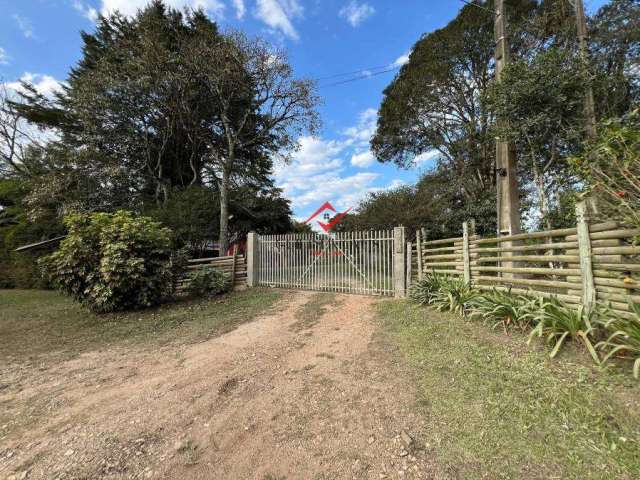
pixel 423 290
pixel 502 308
pixel 558 321
pixel 624 338
pixel 453 295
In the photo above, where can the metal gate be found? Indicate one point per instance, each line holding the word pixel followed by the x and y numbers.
pixel 349 262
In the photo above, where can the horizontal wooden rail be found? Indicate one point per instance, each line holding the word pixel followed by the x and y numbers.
pixel 534 293
pixel 531 258
pixel 524 236
pixel 529 282
pixel 440 242
pixel 526 248
pixel 536 271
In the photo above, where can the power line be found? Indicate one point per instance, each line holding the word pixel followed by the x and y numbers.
pixel 361 77
pixel 353 72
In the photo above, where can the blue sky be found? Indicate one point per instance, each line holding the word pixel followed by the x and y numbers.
pixel 39 41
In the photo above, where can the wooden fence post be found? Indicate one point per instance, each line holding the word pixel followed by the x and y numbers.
pixel 584 252
pixel 252 259
pixel 409 266
pixel 419 252
pixel 399 262
pixel 465 253
pixel 233 266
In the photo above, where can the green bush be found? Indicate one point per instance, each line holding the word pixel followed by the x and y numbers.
pixel 208 282
pixel 453 295
pixel 610 165
pixel 113 261
pixel 423 290
pixel 558 321
pixel 503 308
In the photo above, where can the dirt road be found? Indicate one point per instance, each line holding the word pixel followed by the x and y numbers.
pixel 282 397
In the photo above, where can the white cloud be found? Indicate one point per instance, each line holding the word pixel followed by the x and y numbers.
pixel 240 8
pixel 4 58
pixel 355 13
pixel 343 191
pixel 426 157
pixel 46 85
pixel 363 159
pixel 360 134
pixel 24 24
pixel 402 59
pixel 278 14
pixel 86 11
pixel 314 156
pixel 321 169
pixel 130 7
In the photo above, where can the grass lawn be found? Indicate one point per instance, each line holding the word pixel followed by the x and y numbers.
pixel 35 322
pixel 499 409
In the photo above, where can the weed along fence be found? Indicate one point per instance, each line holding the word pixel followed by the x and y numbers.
pixel 365 262
pixel 233 265
pixel 583 265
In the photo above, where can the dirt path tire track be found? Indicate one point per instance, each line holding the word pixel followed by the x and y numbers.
pixel 327 402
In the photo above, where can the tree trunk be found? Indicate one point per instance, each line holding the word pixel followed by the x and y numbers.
pixel 543 203
pixel 223 239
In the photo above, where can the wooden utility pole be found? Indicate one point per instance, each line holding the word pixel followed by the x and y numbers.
pixel 508 201
pixel 589 104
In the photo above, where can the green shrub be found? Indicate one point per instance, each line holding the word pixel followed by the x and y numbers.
pixel 610 165
pixel 423 290
pixel 503 308
pixel 453 295
pixel 113 261
pixel 557 322
pixel 209 281
pixel 623 338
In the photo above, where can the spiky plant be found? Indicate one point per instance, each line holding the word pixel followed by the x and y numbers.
pixel 423 290
pixel 624 338
pixel 501 308
pixel 453 295
pixel 558 321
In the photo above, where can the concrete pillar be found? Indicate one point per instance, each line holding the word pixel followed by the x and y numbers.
pixel 253 262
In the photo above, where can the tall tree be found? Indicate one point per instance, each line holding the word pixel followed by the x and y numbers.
pixel 435 101
pixel 131 115
pixel 261 110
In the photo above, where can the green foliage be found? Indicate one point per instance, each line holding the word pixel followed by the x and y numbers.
pixel 113 262
pixel 19 269
pixel 611 167
pixel 557 322
pixel 435 204
pixel 453 295
pixel 423 290
pixel 503 308
pixel 209 282
pixel 192 215
pixel 623 337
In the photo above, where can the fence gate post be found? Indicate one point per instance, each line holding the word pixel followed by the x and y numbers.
pixel 409 266
pixel 419 252
pixel 252 259
pixel 584 252
pixel 466 262
pixel 398 262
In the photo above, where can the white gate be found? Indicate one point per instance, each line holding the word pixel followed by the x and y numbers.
pixel 349 262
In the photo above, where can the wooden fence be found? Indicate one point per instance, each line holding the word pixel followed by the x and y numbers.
pixel 234 265
pixel 581 265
